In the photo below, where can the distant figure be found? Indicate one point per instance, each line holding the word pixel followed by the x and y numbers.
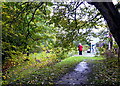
pixel 80 48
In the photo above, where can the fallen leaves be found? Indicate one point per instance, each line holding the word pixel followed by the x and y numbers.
pixel 106 72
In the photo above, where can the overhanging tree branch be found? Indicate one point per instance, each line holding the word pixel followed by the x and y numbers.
pixel 33 14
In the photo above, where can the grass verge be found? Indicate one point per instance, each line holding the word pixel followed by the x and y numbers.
pixel 48 74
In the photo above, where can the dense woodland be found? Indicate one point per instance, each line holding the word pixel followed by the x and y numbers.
pixel 54 29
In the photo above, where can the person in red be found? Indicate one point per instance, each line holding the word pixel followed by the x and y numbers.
pixel 80 48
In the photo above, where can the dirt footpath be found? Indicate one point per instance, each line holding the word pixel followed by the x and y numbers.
pixel 79 76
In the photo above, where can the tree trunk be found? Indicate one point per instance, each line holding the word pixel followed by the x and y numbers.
pixel 112 17
pixel 111 41
pixel 119 56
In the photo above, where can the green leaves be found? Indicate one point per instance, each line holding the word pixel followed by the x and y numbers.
pixel 22 22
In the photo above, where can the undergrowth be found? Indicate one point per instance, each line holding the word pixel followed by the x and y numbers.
pixel 25 68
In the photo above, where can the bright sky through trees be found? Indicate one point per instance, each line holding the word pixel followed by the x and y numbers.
pixel 115 1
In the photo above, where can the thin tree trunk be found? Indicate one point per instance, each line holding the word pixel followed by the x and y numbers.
pixel 119 56
pixel 111 41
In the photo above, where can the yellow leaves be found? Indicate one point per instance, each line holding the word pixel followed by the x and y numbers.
pixel 43 48
pixel 50 83
pixel 4 13
pixel 4 6
pixel 15 72
pixel 8 16
pixel 4 77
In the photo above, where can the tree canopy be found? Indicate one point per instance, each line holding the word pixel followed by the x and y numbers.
pixel 30 27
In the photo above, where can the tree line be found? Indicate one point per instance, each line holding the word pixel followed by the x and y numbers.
pixel 29 27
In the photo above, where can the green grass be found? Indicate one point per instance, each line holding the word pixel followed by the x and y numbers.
pixel 43 75
pixel 72 61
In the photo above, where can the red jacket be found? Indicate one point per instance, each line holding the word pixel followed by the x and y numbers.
pixel 80 47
